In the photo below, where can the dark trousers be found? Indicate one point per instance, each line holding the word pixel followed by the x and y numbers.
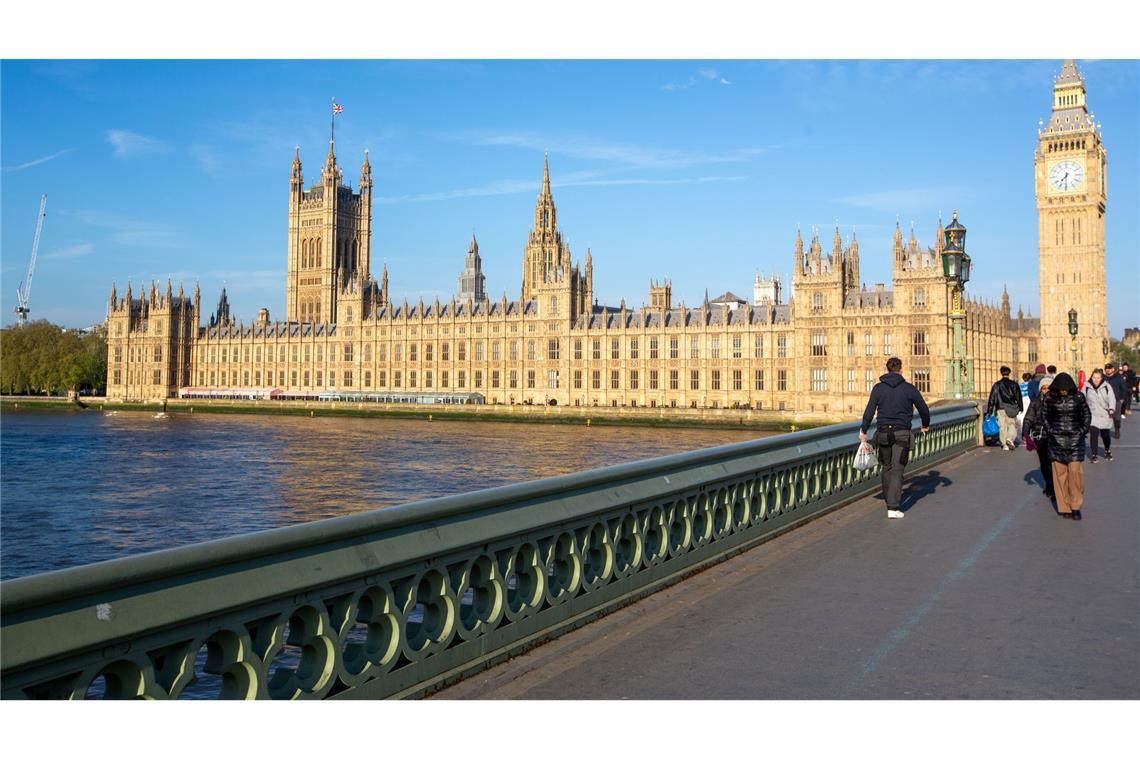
pixel 1094 432
pixel 1046 463
pixel 1116 417
pixel 894 451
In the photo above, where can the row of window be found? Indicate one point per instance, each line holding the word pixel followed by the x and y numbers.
pixel 734 380
pixel 734 347
pixel 921 379
pixel 919 344
pixel 919 347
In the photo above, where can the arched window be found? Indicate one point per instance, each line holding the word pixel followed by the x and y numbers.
pixel 919 298
pixel 817 301
pixel 318 252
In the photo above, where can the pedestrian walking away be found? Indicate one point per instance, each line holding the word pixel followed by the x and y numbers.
pixel 892 404
pixel 1119 387
pixel 1034 429
pixel 1005 403
pixel 1066 419
pixel 1102 405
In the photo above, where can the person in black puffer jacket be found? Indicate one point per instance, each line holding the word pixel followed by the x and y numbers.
pixel 1066 419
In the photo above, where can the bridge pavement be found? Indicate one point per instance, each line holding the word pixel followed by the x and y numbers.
pixel 981 592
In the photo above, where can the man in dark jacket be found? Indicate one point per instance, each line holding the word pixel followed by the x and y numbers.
pixel 1005 402
pixel 1120 388
pixel 1129 387
pixel 892 404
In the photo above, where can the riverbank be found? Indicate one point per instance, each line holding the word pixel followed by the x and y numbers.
pixel 749 419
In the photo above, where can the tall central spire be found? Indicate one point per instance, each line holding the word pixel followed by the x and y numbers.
pixel 545 215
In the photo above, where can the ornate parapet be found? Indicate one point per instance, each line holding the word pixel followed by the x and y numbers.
pixel 399 601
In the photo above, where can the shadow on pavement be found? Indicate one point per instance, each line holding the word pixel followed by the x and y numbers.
pixel 920 486
pixel 1037 480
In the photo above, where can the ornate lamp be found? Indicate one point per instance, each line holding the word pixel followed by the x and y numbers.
pixel 955 262
pixel 956 267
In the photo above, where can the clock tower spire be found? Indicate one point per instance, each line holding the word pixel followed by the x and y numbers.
pixel 1072 190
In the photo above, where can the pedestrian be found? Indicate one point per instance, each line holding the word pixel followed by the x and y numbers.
pixel 1102 404
pixel 1129 376
pixel 1066 419
pixel 1024 386
pixel 1035 383
pixel 1133 385
pixel 1034 428
pixel 1119 387
pixel 1005 402
pixel 892 404
pixel 1051 370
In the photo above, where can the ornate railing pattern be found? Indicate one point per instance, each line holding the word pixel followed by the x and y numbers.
pixel 401 600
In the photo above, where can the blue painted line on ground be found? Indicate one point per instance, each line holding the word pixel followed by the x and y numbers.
pixel 899 634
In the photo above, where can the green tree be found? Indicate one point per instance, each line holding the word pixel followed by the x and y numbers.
pixel 1122 352
pixel 40 357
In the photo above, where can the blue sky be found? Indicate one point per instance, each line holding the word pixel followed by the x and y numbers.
pixel 694 170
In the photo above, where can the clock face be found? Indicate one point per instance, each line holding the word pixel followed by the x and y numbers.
pixel 1067 175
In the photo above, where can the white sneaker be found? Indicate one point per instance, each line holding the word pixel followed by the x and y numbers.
pixel 894 514
pixel 1005 447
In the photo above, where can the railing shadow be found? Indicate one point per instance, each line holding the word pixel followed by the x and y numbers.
pixel 920 486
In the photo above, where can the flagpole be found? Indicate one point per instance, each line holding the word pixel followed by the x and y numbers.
pixel 332 120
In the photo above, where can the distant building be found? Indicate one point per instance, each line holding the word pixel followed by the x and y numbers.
pixel 766 291
pixel 471 280
pixel 728 300
pixel 820 352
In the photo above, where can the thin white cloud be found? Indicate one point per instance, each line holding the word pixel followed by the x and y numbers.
pixel 512 186
pixel 71 251
pixel 905 200
pixel 207 158
pixel 133 232
pixel 38 161
pixel 127 143
pixel 707 74
pixel 624 154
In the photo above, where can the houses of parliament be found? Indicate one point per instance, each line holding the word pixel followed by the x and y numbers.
pixel 817 351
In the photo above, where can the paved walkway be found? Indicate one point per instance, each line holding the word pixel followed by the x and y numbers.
pixel 981 592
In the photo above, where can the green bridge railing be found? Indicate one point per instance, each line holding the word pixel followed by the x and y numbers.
pixel 400 601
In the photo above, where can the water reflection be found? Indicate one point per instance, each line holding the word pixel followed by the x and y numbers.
pixel 84 487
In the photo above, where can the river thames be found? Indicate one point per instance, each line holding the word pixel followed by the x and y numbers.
pixel 82 487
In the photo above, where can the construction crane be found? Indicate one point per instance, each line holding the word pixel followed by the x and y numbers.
pixel 24 292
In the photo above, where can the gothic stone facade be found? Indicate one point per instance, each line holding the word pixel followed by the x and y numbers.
pixel 820 352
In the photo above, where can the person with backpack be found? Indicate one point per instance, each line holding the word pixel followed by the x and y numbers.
pixel 892 404
pixel 1066 419
pixel 1005 403
pixel 1033 429
pixel 1101 398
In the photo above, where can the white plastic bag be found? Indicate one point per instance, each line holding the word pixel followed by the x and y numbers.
pixel 865 456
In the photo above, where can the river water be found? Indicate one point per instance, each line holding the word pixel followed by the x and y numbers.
pixel 81 487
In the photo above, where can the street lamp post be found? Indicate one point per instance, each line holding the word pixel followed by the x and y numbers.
pixel 1073 341
pixel 956 268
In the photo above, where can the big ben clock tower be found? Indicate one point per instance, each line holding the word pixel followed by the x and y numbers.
pixel 1071 187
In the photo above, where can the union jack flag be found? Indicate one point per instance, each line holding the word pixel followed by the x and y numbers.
pixel 337 108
